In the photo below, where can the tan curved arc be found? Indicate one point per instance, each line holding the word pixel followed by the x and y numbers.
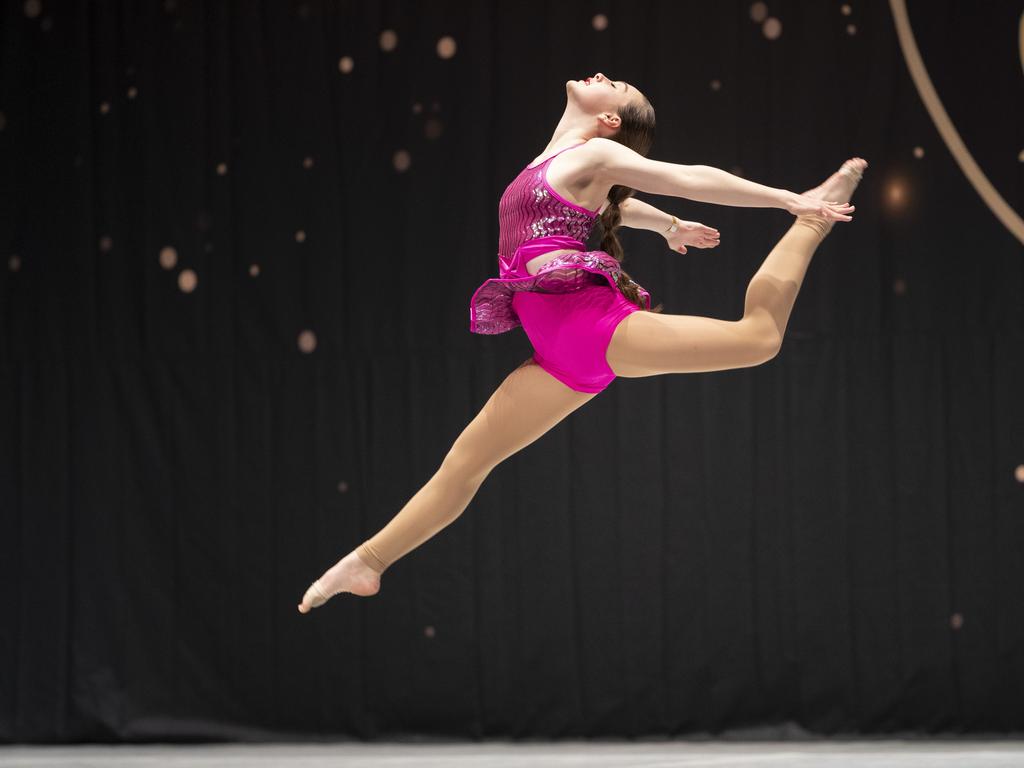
pixel 1009 217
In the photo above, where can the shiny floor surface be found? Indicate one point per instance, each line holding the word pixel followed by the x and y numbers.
pixel 664 754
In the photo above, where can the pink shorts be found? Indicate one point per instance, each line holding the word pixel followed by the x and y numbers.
pixel 570 332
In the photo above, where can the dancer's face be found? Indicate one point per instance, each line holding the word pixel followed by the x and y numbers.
pixel 602 96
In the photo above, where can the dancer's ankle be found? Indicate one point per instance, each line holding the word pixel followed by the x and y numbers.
pixel 819 224
pixel 369 558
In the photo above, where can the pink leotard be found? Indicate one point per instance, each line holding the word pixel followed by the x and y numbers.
pixel 571 306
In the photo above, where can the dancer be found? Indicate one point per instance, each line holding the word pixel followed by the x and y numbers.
pixel 586 319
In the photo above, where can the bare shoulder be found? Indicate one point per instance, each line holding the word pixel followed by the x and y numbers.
pixel 615 163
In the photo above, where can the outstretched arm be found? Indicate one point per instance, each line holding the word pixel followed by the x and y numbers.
pixel 616 163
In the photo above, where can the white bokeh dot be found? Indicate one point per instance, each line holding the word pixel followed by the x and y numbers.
pixel 104 107
pixel 388 40
pixel 14 263
pixel 401 160
pixel 342 487
pixel 772 28
pixel 345 64
pixel 307 341
pixel 254 270
pixel 307 163
pixel 918 152
pixel 716 85
pixel 168 257
pixel 106 243
pixel 33 8
pixel 132 92
pixel 599 22
pixel 845 9
pixel 187 280
pixel 1017 473
pixel 851 29
pixel 222 168
pixel 758 12
pixel 300 236
pixel 429 631
pixel 956 621
pixel 446 47
pixel 1020 156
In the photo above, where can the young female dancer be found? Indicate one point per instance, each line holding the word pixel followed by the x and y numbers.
pixel 587 320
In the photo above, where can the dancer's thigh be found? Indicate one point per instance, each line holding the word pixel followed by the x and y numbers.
pixel 651 343
pixel 528 403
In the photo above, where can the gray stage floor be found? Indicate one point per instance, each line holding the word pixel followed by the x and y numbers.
pixel 839 754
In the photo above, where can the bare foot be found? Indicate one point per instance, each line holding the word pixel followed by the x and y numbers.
pixel 840 185
pixel 350 574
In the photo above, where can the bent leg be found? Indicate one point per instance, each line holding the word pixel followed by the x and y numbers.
pixel 649 344
pixel 525 405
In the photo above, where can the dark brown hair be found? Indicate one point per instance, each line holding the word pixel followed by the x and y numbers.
pixel 636 131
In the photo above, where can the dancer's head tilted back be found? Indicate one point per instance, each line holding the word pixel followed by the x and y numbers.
pixel 600 106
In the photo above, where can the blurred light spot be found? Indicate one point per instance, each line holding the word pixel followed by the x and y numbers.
pixel 772 28
pixel 446 47
pixel 429 631
pixel 307 341
pixel 896 195
pixel 918 152
pixel 716 85
pixel 845 9
pixel 106 243
pixel 222 168
pixel 14 264
pixel 956 620
pixel 168 257
pixel 851 29
pixel 46 24
pixel 300 236
pixel 599 22
pixel 417 108
pixel 342 487
pixel 133 92
pixel 187 280
pixel 388 40
pixel 432 128
pixel 1020 156
pixel 899 286
pixel 401 160
pixel 758 12
pixel 345 64
pixel 104 107
pixel 33 8
pixel 1018 472
pixel 254 270
pixel 307 163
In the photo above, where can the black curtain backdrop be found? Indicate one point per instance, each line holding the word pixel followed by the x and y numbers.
pixel 234 341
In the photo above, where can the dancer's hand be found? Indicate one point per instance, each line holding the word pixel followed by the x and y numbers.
pixel 800 205
pixel 691 233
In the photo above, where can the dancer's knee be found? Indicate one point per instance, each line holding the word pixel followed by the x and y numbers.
pixel 462 465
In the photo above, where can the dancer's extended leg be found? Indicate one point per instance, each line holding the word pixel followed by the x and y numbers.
pixel 649 344
pixel 528 403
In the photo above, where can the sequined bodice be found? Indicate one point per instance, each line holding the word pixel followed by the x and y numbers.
pixel 530 210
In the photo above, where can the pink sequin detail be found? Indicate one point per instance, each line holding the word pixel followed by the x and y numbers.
pixel 532 219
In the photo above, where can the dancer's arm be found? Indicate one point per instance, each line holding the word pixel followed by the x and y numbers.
pixel 618 164
pixel 637 214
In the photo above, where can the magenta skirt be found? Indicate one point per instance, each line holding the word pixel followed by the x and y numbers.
pixel 570 332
